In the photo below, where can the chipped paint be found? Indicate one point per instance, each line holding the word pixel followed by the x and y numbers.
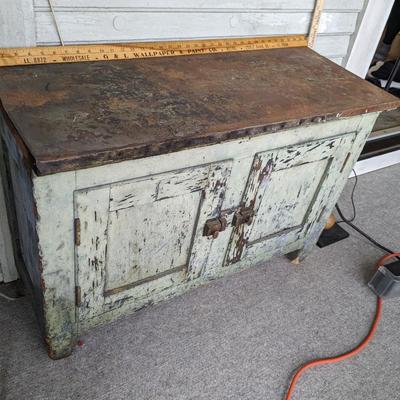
pixel 284 188
pixel 139 237
pixel 142 221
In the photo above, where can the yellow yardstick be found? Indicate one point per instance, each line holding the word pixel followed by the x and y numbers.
pixel 124 51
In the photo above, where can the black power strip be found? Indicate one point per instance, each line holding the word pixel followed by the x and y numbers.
pixel 386 281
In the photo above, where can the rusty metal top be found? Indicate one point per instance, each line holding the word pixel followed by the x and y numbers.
pixel 72 116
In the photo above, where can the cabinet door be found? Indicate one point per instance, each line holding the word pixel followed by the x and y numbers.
pixel 143 236
pixel 287 191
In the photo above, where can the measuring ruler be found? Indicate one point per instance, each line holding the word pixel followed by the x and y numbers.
pixel 319 6
pixel 125 51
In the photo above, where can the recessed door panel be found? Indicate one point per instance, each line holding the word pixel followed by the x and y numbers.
pixel 290 193
pixel 149 240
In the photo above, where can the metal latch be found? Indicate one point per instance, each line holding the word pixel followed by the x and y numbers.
pixel 77 231
pixel 244 215
pixel 214 226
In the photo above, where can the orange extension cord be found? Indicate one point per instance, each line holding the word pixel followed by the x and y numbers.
pixel 358 349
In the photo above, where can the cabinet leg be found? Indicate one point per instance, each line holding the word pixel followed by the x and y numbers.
pixel 296 257
pixel 59 347
pixel 295 261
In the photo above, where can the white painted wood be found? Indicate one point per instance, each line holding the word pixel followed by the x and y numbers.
pixel 112 26
pixel 62 266
pixel 8 271
pixel 265 249
pixel 337 60
pixel 137 251
pixel 361 125
pixel 17 23
pixel 376 163
pixel 150 239
pixel 286 191
pixel 88 21
pixel 238 150
pixel 82 21
pixel 55 230
pixel 332 46
pixel 331 185
pixel 92 209
pixel 204 4
pixel 367 36
pixel 155 188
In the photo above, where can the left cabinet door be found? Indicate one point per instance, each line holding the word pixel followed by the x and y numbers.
pixel 139 237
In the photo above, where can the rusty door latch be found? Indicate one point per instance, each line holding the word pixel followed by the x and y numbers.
pixel 244 215
pixel 214 226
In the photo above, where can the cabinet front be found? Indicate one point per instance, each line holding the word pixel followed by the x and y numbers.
pixel 286 194
pixel 140 237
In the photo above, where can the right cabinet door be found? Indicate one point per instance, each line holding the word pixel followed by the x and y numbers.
pixel 287 193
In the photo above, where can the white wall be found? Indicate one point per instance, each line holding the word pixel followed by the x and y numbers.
pixel 17 24
pixel 88 21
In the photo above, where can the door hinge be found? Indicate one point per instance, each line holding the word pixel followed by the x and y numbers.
pixel 78 296
pixel 77 231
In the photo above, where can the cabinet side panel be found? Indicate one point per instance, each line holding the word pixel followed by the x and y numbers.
pixel 42 224
pixel 21 212
pixel 8 271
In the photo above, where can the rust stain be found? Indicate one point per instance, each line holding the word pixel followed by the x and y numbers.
pixel 244 216
pixel 42 283
pixel 117 104
pixel 81 115
pixel 266 171
pixel 239 245
pixel 257 165
pixel 32 98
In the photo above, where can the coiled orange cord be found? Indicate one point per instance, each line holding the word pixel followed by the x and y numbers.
pixel 351 353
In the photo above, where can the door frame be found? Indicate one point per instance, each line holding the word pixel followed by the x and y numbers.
pixel 371 23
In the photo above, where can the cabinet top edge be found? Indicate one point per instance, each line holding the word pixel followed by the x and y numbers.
pixel 73 116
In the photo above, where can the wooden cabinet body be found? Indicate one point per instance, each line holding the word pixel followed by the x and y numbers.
pixel 101 240
pixel 141 236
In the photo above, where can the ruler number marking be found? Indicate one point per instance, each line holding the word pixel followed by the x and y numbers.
pixel 79 53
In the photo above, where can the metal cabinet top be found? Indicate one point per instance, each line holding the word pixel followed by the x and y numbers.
pixel 72 116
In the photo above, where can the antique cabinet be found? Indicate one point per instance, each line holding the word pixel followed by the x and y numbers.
pixel 129 182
